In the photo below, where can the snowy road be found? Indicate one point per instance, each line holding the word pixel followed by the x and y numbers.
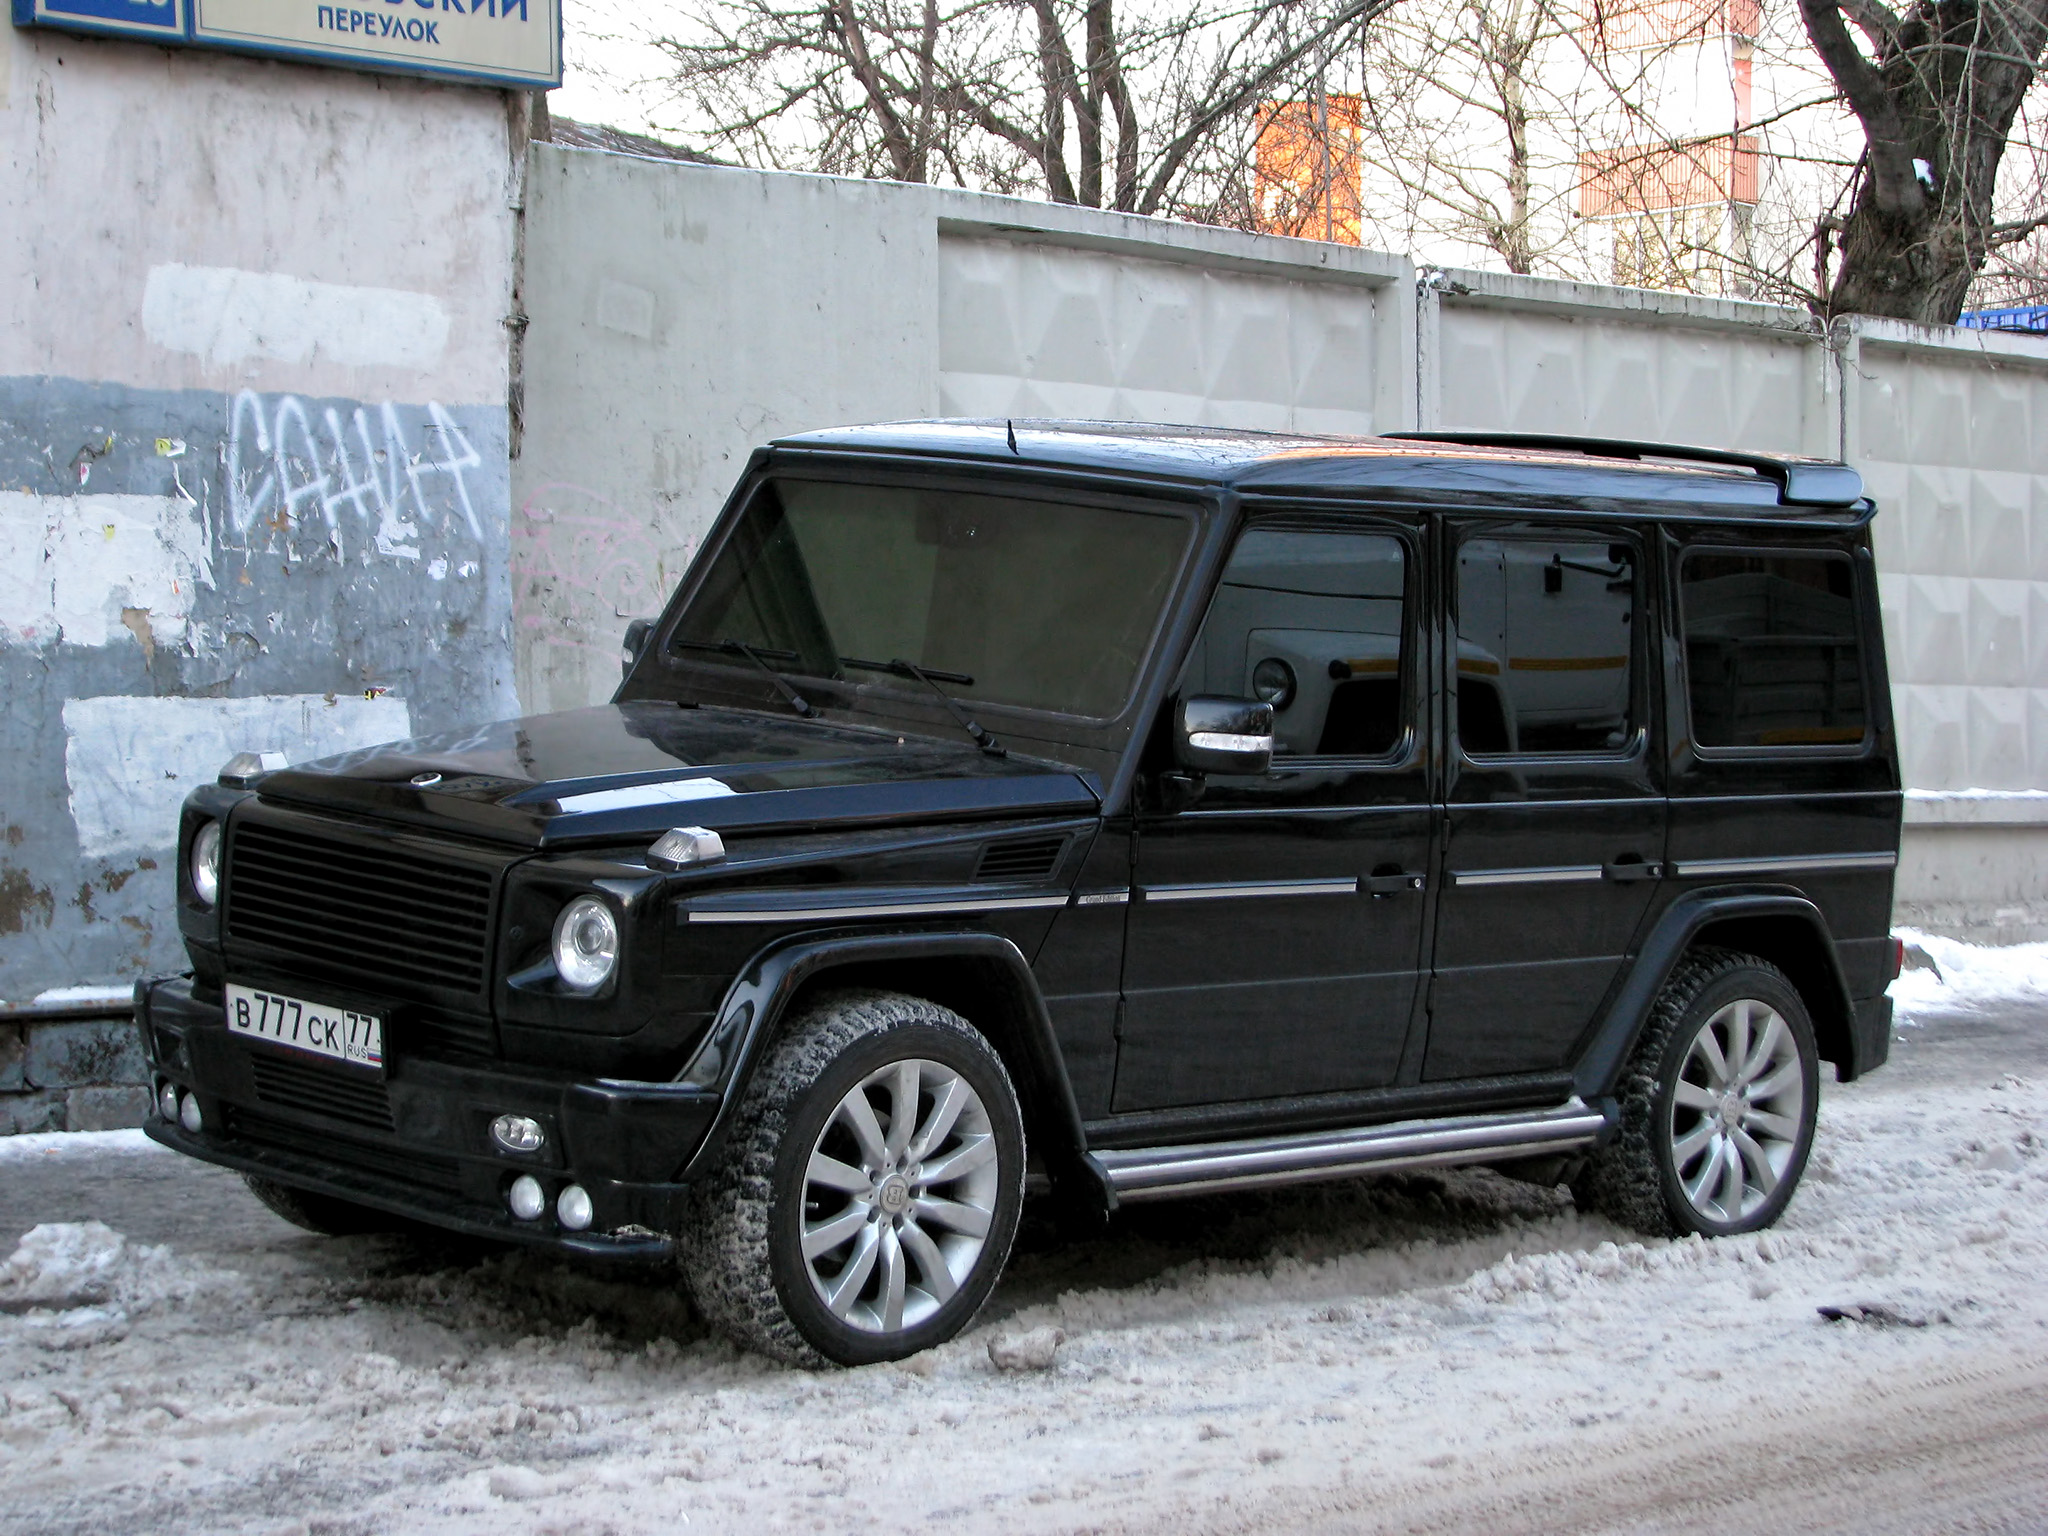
pixel 1442 1352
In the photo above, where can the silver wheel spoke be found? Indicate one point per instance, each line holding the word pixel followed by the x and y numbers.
pixel 1693 1096
pixel 1729 1197
pixel 1738 1036
pixel 859 1116
pixel 902 1108
pixel 951 1214
pixel 1785 1077
pixel 846 1286
pixel 1764 1052
pixel 937 1278
pixel 1697 1187
pixel 1708 1050
pixel 834 1174
pixel 1688 1146
pixel 891 1299
pixel 1757 1161
pixel 946 1106
pixel 1780 1127
pixel 827 1235
pixel 961 1160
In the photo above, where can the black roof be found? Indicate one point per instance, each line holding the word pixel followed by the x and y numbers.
pixel 1438 466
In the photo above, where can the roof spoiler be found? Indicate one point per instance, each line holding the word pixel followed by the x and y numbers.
pixel 1800 482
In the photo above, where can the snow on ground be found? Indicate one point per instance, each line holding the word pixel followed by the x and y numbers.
pixel 1445 1351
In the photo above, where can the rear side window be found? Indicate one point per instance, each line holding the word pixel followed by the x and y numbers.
pixel 1545 645
pixel 1771 651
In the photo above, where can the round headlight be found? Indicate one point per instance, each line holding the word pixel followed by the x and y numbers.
pixel 1273 681
pixel 205 863
pixel 586 944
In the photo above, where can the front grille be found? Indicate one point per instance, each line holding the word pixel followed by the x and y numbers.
pixel 320 1091
pixel 408 1164
pixel 384 915
pixel 1020 858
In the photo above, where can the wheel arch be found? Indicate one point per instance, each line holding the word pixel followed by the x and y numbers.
pixel 981 976
pixel 1777 925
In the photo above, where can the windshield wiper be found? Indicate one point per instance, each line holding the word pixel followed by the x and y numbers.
pixel 930 678
pixel 797 701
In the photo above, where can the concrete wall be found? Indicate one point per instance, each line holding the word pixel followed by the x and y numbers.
pixel 720 307
pixel 253 456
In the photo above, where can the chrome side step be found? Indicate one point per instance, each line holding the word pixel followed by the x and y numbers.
pixel 1157 1173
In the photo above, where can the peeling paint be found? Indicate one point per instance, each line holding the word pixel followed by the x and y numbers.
pixel 21 901
pixel 131 761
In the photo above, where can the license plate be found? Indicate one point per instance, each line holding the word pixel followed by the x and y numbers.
pixel 320 1029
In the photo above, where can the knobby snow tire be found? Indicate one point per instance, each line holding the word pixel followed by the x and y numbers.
pixel 1632 1180
pixel 738 1249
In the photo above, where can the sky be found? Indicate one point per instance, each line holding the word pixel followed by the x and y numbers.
pixel 605 61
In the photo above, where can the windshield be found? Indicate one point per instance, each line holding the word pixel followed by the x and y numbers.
pixel 1039 604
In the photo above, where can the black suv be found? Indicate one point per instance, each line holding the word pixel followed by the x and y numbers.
pixel 1118 812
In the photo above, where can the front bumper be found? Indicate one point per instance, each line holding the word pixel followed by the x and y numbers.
pixel 416 1142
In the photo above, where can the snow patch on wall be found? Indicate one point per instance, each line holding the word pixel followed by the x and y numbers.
pixel 130 762
pixel 82 569
pixel 226 315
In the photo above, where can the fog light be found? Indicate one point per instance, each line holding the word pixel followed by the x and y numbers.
pixel 189 1116
pixel 167 1102
pixel 526 1197
pixel 573 1208
pixel 518 1133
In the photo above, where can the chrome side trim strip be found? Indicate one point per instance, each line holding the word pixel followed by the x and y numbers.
pixel 1787 864
pixel 1154 1173
pixel 1555 874
pixel 1348 886
pixel 871 909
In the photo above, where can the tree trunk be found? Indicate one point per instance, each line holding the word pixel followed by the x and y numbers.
pixel 1936 105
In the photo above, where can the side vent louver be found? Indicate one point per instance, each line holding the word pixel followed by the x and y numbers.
pixel 1020 859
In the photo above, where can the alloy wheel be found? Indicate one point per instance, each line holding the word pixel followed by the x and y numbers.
pixel 899 1196
pixel 1736 1111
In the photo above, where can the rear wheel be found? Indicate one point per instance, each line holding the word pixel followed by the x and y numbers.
pixel 1717 1105
pixel 325 1214
pixel 869 1190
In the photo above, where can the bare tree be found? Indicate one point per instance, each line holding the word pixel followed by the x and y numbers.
pixel 1147 112
pixel 1936 89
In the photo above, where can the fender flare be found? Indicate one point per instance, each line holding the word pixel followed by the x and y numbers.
pixel 1600 1065
pixel 762 992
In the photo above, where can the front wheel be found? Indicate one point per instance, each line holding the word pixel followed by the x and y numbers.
pixel 1717 1105
pixel 869 1190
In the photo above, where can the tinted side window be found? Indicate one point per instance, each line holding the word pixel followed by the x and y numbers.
pixel 1310 622
pixel 1545 645
pixel 1771 652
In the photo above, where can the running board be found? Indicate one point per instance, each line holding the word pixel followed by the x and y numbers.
pixel 1158 1173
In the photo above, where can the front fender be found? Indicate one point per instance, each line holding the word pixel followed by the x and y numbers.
pixel 1801 937
pixel 757 999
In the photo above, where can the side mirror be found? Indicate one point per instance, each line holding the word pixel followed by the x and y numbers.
pixel 635 642
pixel 1214 735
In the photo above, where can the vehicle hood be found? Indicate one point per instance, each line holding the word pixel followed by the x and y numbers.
pixel 619 772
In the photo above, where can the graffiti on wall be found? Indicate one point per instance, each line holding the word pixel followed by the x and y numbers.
pixel 361 483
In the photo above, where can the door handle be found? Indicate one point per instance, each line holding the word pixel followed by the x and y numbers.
pixel 1630 867
pixel 1391 882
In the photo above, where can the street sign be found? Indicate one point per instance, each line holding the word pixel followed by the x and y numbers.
pixel 490 42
